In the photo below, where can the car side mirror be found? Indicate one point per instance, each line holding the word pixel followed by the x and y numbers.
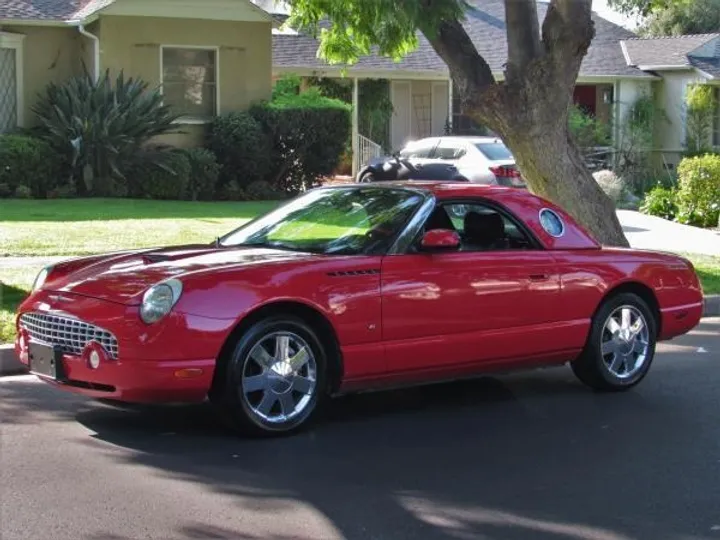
pixel 440 240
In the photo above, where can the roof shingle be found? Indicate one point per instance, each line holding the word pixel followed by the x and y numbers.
pixel 664 51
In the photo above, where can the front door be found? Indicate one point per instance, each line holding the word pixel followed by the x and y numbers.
pixel 494 299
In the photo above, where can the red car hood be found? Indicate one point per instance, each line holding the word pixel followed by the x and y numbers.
pixel 124 278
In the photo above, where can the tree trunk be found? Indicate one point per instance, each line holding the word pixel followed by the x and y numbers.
pixel 529 109
pixel 554 169
pixel 535 127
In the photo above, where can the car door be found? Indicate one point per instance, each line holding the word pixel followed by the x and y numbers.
pixel 487 301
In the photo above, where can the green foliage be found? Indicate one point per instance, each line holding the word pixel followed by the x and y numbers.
pixel 661 202
pixel 287 85
pixel 587 130
pixel 684 17
pixel 242 148
pixel 632 157
pixel 308 133
pixel 100 126
pixel 360 27
pixel 699 190
pixel 5 190
pixel 376 107
pixel 204 174
pixel 159 173
pixel 700 108
pixel 23 192
pixel 29 162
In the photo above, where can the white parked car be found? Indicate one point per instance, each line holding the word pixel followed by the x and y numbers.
pixel 480 160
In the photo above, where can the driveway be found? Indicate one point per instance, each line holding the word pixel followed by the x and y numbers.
pixel 528 456
pixel 650 232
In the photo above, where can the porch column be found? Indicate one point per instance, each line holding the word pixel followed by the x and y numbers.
pixel 355 128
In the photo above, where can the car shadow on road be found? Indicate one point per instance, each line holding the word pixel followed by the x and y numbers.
pixel 526 456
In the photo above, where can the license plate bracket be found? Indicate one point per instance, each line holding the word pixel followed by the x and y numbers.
pixel 46 361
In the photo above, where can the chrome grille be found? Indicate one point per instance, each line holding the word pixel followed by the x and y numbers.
pixel 71 335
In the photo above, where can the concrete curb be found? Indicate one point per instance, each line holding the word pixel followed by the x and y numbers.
pixel 10 365
pixel 712 306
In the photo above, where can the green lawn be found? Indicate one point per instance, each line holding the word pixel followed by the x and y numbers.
pixel 87 226
pixel 708 268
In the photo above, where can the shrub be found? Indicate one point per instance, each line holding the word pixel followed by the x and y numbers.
pixel 613 186
pixel 700 109
pixel 661 202
pixel 5 190
pixel 204 173
pixel 308 133
pixel 23 192
pixel 261 191
pixel 160 173
pixel 30 162
pixel 242 148
pixel 699 190
pixel 99 127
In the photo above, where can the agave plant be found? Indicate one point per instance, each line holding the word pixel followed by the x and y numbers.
pixel 101 126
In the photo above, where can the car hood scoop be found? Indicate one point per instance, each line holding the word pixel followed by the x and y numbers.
pixel 125 278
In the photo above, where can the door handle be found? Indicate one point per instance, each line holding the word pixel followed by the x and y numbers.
pixel 539 277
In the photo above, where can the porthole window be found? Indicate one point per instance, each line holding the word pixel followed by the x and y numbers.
pixel 552 223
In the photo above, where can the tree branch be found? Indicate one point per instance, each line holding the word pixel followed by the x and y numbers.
pixel 567 32
pixel 523 35
pixel 470 72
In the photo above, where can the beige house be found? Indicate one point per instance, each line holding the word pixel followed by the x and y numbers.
pixel 208 56
pixel 678 62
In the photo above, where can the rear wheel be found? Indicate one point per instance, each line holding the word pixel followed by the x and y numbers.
pixel 621 345
pixel 367 177
pixel 275 379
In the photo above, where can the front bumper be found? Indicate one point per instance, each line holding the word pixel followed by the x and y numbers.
pixel 170 361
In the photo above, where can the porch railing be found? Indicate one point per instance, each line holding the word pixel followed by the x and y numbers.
pixel 366 150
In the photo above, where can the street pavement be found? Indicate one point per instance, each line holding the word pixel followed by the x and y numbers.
pixel 532 455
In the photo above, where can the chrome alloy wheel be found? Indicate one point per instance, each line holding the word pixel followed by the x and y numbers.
pixel 279 377
pixel 625 342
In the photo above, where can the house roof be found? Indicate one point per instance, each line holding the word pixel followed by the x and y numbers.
pixel 709 66
pixel 485 24
pixel 667 52
pixel 41 10
pixel 62 10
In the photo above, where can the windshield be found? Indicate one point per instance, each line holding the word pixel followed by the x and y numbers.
pixel 343 221
pixel 495 151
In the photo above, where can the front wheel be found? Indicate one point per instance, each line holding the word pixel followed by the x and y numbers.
pixel 621 345
pixel 275 379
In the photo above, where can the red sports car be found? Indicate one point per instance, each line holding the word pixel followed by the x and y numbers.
pixel 353 287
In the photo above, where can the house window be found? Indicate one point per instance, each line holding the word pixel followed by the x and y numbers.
pixel 190 82
pixel 11 97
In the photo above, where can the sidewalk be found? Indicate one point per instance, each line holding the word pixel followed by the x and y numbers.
pixel 649 232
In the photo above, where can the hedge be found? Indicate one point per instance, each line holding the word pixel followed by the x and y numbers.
pixel 698 195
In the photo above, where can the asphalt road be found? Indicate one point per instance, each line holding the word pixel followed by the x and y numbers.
pixel 532 455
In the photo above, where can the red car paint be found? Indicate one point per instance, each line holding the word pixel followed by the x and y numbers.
pixel 396 319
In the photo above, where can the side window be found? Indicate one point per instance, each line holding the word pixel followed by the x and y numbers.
pixel 420 150
pixel 449 151
pixel 482 228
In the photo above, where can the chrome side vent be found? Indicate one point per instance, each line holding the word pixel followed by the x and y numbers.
pixel 351 273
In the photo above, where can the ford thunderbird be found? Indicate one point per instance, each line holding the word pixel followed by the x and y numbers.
pixel 352 288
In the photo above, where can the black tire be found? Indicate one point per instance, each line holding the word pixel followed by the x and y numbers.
pixel 594 368
pixel 367 177
pixel 232 401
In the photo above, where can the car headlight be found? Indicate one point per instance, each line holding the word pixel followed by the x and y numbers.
pixel 159 300
pixel 41 278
